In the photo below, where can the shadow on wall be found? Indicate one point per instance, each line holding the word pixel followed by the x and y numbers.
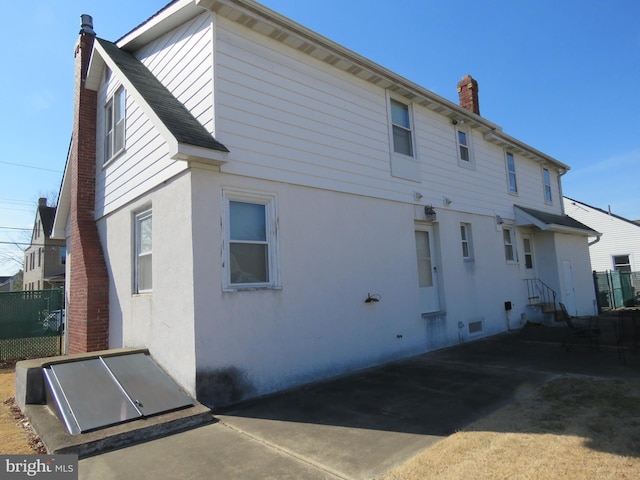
pixel 223 386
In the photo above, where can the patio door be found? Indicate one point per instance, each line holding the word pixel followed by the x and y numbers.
pixel 427 271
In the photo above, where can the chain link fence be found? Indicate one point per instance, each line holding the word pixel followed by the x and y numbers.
pixel 31 324
pixel 615 289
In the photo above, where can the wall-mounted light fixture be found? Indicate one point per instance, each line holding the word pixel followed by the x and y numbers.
pixel 446 201
pixel 499 220
pixel 429 213
pixel 417 196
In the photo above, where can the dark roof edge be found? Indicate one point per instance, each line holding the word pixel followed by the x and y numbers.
pixel 604 211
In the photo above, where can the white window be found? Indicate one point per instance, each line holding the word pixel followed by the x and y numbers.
pixel 621 263
pixel 528 252
pixel 401 126
pixel 465 236
pixel 114 115
pixel 143 252
pixel 250 259
pixel 509 250
pixel 463 141
pixel 511 173
pixel 547 185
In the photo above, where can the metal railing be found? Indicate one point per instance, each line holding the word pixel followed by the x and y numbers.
pixel 539 293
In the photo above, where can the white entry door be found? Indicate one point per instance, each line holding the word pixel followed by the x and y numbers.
pixel 568 293
pixel 427 271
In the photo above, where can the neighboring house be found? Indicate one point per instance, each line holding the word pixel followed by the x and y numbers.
pixel 261 207
pixel 617 247
pixel 5 284
pixel 44 259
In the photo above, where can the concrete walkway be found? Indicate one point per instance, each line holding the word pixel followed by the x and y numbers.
pixel 359 426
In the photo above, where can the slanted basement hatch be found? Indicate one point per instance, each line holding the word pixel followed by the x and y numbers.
pixel 99 392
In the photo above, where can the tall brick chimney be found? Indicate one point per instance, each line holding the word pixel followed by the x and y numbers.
pixel 88 312
pixel 468 94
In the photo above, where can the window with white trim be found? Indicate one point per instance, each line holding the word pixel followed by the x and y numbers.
pixel 114 115
pixel 250 258
pixel 143 233
pixel 401 126
pixel 511 173
pixel 509 244
pixel 546 178
pixel 465 237
pixel 463 143
pixel 621 263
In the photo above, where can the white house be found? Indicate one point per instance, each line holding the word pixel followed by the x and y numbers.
pixel 271 208
pixel 618 245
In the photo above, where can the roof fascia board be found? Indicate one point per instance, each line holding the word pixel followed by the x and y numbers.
pixel 178 151
pixel 524 219
pixel 131 90
pixel 192 153
pixel 279 27
pixel 163 22
pixel 59 228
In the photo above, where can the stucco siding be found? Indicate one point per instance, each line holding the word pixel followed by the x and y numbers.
pixel 163 319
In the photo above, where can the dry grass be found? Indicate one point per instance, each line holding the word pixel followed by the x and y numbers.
pixel 18 437
pixel 571 428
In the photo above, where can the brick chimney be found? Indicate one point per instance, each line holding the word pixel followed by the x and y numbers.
pixel 88 312
pixel 468 94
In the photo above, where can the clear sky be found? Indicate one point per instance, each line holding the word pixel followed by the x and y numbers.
pixel 560 75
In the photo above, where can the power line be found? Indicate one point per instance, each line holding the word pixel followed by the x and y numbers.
pixel 16 228
pixel 31 166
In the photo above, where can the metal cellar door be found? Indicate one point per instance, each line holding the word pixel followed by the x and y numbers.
pixel 104 391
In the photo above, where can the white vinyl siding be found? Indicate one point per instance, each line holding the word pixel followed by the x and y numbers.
pixel 183 61
pixel 290 118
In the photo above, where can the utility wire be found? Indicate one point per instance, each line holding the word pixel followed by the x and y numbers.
pixel 31 166
pixel 16 228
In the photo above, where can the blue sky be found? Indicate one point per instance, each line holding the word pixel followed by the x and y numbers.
pixel 560 75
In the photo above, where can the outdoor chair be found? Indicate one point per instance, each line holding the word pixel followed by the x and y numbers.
pixel 580 331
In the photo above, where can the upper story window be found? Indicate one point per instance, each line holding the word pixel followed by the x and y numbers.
pixel 250 259
pixel 402 130
pixel 511 173
pixel 546 178
pixel 463 142
pixel 114 124
pixel 509 242
pixel 143 253
pixel 465 236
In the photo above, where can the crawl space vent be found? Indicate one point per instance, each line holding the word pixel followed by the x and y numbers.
pixel 99 392
pixel 475 327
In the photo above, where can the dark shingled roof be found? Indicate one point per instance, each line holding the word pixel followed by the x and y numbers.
pixel 47 214
pixel 552 219
pixel 173 114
